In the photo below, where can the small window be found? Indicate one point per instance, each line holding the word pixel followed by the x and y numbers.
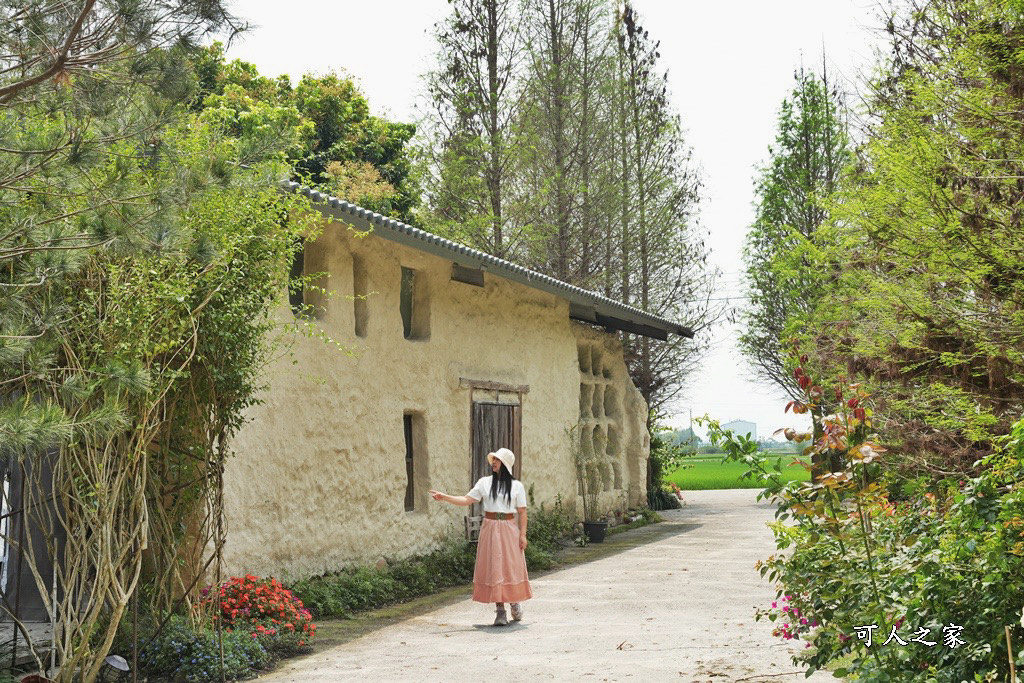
pixel 407 302
pixel 416 479
pixel 295 286
pixel 414 305
pixel 360 291
pixel 410 488
pixel 307 286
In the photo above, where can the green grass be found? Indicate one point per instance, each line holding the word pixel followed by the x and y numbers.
pixel 709 472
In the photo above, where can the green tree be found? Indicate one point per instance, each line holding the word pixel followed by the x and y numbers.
pixel 928 303
pixel 142 252
pixel 555 144
pixel 792 192
pixel 475 95
pixel 564 118
pixel 344 149
pixel 662 256
pixel 105 87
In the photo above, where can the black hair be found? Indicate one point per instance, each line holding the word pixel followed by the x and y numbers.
pixel 501 483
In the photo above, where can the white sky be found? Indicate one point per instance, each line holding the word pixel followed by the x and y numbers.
pixel 730 65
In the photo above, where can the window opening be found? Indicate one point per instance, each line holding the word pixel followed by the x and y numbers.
pixel 295 286
pixel 407 301
pixel 415 305
pixel 410 491
pixel 360 291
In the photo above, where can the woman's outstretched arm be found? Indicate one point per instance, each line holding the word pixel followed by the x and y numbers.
pixel 454 500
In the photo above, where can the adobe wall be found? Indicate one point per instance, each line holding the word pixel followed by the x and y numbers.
pixel 318 479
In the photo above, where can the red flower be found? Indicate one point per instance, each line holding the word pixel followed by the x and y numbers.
pixel 264 608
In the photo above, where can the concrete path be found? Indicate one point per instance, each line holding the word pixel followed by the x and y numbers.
pixel 677 608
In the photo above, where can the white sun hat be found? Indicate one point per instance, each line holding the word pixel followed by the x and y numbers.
pixel 507 458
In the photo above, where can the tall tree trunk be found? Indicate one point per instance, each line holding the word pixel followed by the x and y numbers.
pixel 494 129
pixel 624 225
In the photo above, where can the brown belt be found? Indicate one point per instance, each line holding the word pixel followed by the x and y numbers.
pixel 499 515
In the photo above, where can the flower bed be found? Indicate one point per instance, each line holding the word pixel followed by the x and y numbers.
pixel 267 611
pixel 260 621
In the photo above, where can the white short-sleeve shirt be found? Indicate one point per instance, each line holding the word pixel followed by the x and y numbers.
pixel 482 491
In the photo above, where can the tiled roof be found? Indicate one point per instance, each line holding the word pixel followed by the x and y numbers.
pixel 584 304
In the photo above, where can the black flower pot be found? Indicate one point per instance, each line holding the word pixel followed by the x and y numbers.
pixel 595 531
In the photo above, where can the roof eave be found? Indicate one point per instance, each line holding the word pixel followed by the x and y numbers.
pixel 584 305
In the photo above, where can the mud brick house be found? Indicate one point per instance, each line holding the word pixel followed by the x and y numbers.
pixel 454 353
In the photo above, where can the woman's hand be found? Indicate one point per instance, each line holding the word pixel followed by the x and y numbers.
pixel 436 495
pixel 522 542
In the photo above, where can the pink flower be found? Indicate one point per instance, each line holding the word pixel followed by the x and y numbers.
pixel 775 604
pixel 807 646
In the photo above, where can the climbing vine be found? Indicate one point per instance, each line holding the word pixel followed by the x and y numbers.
pixel 151 353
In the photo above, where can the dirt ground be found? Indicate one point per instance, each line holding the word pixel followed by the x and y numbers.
pixel 676 602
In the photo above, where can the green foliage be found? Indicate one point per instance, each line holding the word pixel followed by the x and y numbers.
pixel 361 588
pixel 364 588
pixel 922 252
pixel 180 652
pixel 538 559
pixel 861 546
pixel 549 527
pixel 546 532
pixel 335 143
pixel 792 192
pixel 667 456
pixel 145 248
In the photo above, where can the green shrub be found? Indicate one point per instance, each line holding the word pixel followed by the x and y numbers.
pixel 538 559
pixel 937 560
pixel 548 528
pixel 359 589
pixel 660 499
pixel 181 653
pixel 666 457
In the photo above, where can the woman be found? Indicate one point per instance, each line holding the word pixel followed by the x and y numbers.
pixel 500 575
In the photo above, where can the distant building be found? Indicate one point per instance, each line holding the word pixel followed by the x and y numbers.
pixel 742 428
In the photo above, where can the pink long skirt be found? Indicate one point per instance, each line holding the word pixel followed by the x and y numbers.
pixel 500 574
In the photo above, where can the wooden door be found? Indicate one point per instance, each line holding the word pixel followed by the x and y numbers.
pixel 494 425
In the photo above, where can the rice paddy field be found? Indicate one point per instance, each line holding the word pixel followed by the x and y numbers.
pixel 709 472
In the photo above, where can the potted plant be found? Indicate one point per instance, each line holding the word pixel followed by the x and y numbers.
pixel 589 461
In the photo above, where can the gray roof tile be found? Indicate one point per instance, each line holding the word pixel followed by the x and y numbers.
pixel 589 306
